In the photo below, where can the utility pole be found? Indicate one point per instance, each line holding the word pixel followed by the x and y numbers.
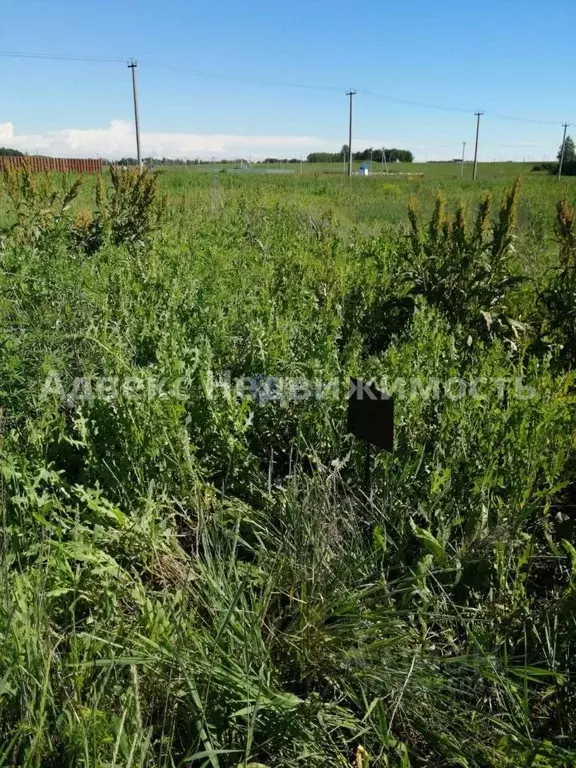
pixel 565 126
pixel 462 164
pixel 478 114
pixel 132 65
pixel 350 93
pixel 384 163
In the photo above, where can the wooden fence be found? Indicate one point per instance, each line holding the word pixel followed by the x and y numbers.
pixel 61 164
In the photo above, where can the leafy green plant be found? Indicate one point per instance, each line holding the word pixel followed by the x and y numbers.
pixel 466 271
pixel 38 206
pixel 558 327
pixel 127 210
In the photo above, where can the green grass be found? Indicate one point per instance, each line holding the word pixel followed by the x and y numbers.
pixel 196 578
pixel 434 171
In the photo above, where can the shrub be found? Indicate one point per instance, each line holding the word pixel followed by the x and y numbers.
pixel 127 213
pixel 463 269
pixel 39 206
pixel 466 271
pixel 558 326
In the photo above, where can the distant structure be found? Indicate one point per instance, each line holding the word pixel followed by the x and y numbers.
pixel 364 170
pixel 61 164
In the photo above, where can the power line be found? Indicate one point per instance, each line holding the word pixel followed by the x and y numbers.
pixel 61 57
pixel 214 75
pixel 209 74
pixel 411 103
pixel 522 119
pixel 445 108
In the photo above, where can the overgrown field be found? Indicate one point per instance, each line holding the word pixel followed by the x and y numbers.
pixel 192 571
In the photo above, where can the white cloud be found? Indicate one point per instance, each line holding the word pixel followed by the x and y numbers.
pixel 117 140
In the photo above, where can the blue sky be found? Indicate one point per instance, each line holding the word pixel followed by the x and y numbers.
pixel 502 56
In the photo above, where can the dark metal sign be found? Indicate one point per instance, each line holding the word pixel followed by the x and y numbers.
pixel 371 415
pixel 371 418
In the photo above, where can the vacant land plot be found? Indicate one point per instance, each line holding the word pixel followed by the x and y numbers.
pixel 193 571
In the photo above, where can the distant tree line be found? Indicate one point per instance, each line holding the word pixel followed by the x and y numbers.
pixel 155 161
pixel 568 164
pixel 151 161
pixel 568 168
pixel 7 152
pixel 392 155
pixel 281 160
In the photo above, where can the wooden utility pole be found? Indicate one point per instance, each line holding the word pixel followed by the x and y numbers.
pixel 132 64
pixel 474 172
pixel 384 163
pixel 350 94
pixel 562 149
